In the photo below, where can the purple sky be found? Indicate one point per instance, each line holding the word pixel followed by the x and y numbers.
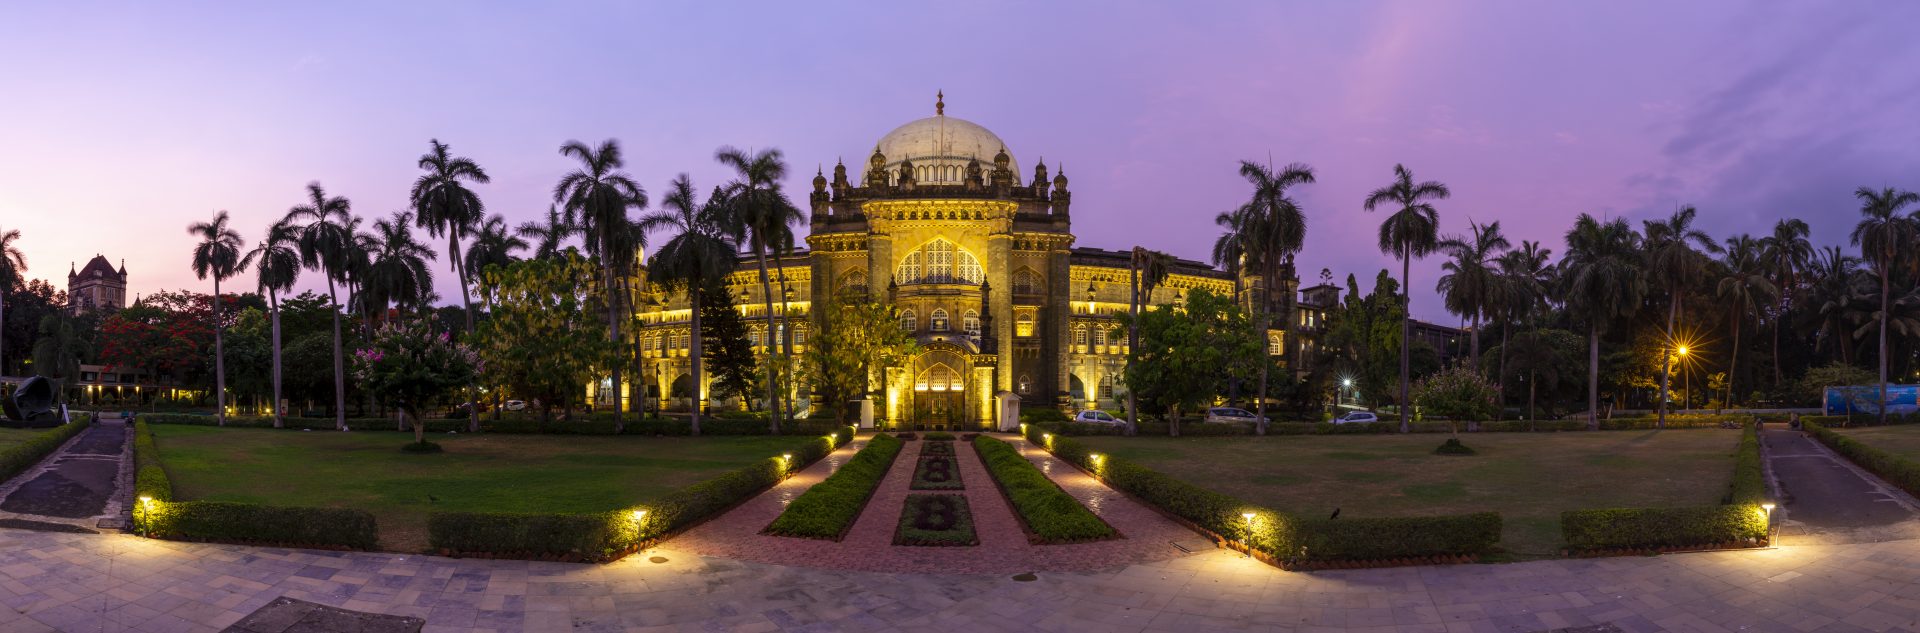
pixel 124 123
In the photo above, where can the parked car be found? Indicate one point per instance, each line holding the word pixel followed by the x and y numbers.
pixel 1096 416
pixel 516 405
pixel 1231 414
pixel 1356 417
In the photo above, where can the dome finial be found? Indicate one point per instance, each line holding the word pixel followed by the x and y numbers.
pixel 939 103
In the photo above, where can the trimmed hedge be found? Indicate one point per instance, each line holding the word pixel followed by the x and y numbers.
pixel 1737 523
pixel 827 510
pixel 251 523
pixel 604 536
pixel 1052 515
pixel 1896 469
pixel 150 476
pixel 920 524
pixel 593 425
pixel 1284 538
pixel 22 456
pixel 945 477
pixel 1195 428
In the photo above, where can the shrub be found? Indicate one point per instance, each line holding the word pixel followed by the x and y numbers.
pixel 1038 415
pixel 1400 537
pixel 20 457
pixel 939 436
pixel 935 520
pixel 150 476
pixel 937 473
pixel 1749 475
pixel 930 448
pixel 828 509
pixel 1050 514
pixel 1453 447
pixel 252 523
pixel 1662 528
pixel 1457 394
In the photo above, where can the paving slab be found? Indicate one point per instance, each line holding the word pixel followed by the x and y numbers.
pixel 1829 499
pixel 78 481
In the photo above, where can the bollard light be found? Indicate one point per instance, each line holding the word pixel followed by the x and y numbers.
pixel 1248 516
pixel 639 515
pixel 787 456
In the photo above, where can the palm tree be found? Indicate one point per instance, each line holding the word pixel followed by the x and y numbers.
pixel 765 217
pixel 1270 228
pixel 58 349
pixel 12 264
pixel 1535 354
pixel 1146 270
pixel 326 236
pixel 1523 281
pixel 277 260
pixel 492 245
pixel 1885 237
pixel 549 238
pixel 1785 254
pixel 1743 289
pixel 1471 287
pixel 1605 284
pixel 1835 279
pixel 1412 231
pixel 218 254
pixel 446 205
pixel 699 254
pixel 397 272
pixel 599 195
pixel 1676 266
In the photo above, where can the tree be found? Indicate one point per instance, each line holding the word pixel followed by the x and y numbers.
pixel 764 219
pixel 1271 229
pixel 1886 238
pixel 698 256
pixel 397 273
pixel 1604 284
pixel 1523 283
pixel 1835 287
pixel 1409 233
pixel 58 351
pixel 1543 355
pixel 446 205
pixel 166 333
pixel 277 262
pixel 540 341
pixel 598 194
pixel 1471 286
pixel 1146 269
pixel 218 255
pixel 1673 263
pixel 549 238
pixel 414 369
pixel 492 246
pixel 1457 394
pixel 1743 289
pixel 1785 254
pixel 724 335
pixel 857 340
pixel 1187 354
pixel 326 245
pixel 12 264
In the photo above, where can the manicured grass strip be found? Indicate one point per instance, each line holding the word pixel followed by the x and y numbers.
pixel 1740 522
pixel 157 515
pixel 18 458
pixel 933 447
pixel 937 472
pixel 828 509
pixel 935 520
pixel 1052 515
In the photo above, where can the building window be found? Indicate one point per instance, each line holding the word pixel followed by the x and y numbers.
pixel 938 320
pixel 1106 388
pixel 1026 282
pixel 1023 326
pixel 799 336
pixel 970 322
pixel 1276 343
pixel 908 322
pixel 754 338
pixel 939 377
pixel 855 283
pixel 1100 336
pixel 1025 384
pixel 1080 336
pixel 940 262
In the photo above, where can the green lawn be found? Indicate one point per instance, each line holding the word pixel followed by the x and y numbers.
pixel 1901 439
pixel 485 473
pixel 1528 478
pixel 12 437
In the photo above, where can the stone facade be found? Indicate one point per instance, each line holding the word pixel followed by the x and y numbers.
pixel 97 286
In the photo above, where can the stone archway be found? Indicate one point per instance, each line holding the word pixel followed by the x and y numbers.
pixel 939 387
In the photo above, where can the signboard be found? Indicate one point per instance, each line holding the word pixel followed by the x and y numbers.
pixel 1866 399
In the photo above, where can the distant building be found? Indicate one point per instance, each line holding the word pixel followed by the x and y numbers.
pixel 97 287
pixel 1448 342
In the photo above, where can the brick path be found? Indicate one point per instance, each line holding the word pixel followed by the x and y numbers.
pixel 1003 547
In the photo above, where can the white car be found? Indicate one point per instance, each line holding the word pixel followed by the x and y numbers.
pixel 1231 414
pixel 1096 416
pixel 516 405
pixel 1356 417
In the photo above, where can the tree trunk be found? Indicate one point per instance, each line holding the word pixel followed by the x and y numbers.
pixel 1406 334
pixel 460 272
pixel 1173 421
pixel 278 415
pixel 1532 383
pixel 1133 345
pixel 1593 378
pixel 1884 308
pixel 1500 386
pixel 787 392
pixel 1473 340
pixel 419 428
pixel 339 363
pixel 1666 366
pixel 613 335
pixel 694 295
pixel 219 357
pixel 3 326
pixel 1777 318
pixel 1733 363
pixel 1260 328
pixel 766 298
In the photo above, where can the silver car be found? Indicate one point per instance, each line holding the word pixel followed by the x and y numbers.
pixel 1356 417
pixel 1096 416
pixel 1232 414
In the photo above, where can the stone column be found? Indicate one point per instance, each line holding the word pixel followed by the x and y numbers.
pixel 1000 279
pixel 1057 317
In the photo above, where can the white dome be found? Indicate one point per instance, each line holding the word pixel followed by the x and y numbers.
pixel 940 147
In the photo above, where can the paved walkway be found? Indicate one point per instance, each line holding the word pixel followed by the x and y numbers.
pixel 1003 548
pixel 1830 500
pixel 68 582
pixel 76 486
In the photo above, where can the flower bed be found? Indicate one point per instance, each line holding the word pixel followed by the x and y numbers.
pixel 1049 513
pixel 828 509
pixel 938 520
pixel 931 448
pixel 937 472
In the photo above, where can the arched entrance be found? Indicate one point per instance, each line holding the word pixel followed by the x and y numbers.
pixel 940 388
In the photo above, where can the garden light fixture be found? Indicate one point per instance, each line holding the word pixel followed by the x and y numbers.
pixel 1248 516
pixel 639 515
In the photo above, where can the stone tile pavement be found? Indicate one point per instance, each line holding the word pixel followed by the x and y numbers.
pixel 70 582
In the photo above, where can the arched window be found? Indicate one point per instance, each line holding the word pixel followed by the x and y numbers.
pixel 1099 336
pixel 938 320
pixel 939 377
pixel 753 338
pixel 1023 325
pixel 854 283
pixel 1024 385
pixel 1276 343
pixel 1080 336
pixel 1106 387
pixel 939 262
pixel 970 322
pixel 1026 282
pixel 908 321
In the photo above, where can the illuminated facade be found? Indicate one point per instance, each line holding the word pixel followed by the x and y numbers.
pixel 980 266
